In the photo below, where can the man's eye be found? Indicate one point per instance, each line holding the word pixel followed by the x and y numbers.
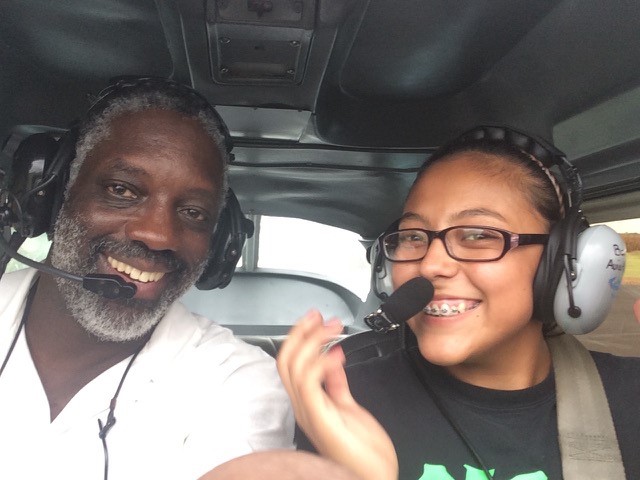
pixel 195 214
pixel 120 190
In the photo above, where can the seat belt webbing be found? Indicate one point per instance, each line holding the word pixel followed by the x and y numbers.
pixel 586 434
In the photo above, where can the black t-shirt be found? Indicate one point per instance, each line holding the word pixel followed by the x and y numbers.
pixel 514 433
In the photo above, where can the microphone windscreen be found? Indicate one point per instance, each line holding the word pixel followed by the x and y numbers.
pixel 408 299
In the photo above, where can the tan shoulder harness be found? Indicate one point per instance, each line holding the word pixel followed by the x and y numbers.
pixel 586 434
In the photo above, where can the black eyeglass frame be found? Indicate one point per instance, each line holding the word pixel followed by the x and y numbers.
pixel 511 241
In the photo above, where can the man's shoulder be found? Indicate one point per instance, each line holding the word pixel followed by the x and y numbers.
pixel 205 337
pixel 14 287
pixel 14 280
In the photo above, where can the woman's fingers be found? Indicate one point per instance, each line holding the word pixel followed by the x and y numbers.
pixel 301 363
pixel 335 381
pixel 333 421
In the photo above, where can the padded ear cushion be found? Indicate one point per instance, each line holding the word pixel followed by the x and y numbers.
pixel 600 262
pixel 381 284
pixel 548 274
pixel 59 170
pixel 232 230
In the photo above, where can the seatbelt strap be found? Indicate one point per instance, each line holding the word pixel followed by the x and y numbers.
pixel 586 434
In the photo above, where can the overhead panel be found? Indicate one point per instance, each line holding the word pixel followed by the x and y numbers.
pixel 259 42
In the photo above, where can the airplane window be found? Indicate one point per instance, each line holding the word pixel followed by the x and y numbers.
pixel 302 245
pixel 33 248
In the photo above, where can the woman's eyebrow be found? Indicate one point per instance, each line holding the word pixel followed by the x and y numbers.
pixel 477 212
pixel 469 212
pixel 411 216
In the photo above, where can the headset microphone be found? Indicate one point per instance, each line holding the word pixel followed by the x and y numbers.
pixel 404 303
pixel 109 286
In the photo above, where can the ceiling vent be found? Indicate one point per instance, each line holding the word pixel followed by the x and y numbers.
pixel 259 42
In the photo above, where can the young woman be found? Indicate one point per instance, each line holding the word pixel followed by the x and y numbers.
pixel 471 394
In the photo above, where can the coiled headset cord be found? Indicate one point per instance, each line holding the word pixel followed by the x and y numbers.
pixel 111 419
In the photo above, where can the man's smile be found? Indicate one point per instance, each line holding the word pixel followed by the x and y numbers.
pixel 133 272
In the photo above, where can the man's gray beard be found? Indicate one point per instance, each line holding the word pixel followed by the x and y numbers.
pixel 118 320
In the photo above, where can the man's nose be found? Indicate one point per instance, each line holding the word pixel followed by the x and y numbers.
pixel 155 225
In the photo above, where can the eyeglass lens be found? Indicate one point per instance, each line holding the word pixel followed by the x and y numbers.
pixel 464 243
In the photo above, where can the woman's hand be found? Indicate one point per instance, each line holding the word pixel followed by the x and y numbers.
pixel 334 422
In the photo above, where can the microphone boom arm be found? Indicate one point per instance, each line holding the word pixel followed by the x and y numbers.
pixel 109 286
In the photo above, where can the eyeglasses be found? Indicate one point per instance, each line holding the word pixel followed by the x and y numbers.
pixel 466 243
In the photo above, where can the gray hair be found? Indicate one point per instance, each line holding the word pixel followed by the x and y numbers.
pixel 134 98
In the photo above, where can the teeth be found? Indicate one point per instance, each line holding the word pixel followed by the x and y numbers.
pixel 133 272
pixel 445 310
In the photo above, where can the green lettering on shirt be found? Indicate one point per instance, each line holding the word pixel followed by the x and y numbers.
pixel 439 472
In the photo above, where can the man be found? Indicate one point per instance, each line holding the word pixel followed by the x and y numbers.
pixel 93 387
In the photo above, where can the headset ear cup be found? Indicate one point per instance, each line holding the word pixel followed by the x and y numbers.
pixel 31 167
pixel 600 264
pixel 232 230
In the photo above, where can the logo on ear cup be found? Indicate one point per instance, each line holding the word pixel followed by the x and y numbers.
pixel 600 263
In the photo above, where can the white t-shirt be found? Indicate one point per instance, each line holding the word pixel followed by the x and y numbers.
pixel 195 397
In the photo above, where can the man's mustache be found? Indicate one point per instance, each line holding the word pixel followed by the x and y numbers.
pixel 139 250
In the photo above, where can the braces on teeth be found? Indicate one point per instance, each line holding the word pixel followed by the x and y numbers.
pixel 444 310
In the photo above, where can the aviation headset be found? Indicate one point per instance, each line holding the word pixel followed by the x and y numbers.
pixel 581 267
pixel 41 165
